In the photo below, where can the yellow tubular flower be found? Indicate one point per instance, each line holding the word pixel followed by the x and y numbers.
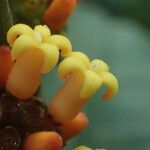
pixel 111 82
pixel 22 44
pixel 82 148
pixel 23 39
pixel 96 74
pixel 70 65
pixel 86 148
pixel 82 79
pixel 91 84
pixel 98 66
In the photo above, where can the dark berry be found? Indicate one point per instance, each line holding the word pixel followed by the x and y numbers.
pixel 9 139
pixel 10 107
pixel 31 115
pixel 27 116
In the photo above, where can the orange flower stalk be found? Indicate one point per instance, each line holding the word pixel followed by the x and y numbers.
pixel 43 141
pixel 74 127
pixel 28 68
pixel 82 79
pixel 58 13
pixel 5 65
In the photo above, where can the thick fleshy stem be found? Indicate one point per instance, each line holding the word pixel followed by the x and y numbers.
pixel 82 148
pixel 82 80
pixel 86 148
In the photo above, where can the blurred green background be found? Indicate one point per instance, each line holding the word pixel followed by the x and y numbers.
pixel 108 30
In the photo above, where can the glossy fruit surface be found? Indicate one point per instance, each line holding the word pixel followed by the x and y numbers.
pixel 10 108
pixel 28 117
pixel 34 116
pixel 9 139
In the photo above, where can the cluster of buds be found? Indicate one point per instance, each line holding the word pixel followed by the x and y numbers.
pixel 35 52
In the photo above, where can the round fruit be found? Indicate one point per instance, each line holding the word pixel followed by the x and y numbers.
pixel 9 139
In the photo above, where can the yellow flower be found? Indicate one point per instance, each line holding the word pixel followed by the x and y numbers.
pixel 82 79
pixel 36 52
pixel 22 38
pixel 96 73
pixel 82 148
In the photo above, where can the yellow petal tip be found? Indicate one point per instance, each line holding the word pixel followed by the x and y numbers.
pixel 82 148
pixel 111 83
pixel 81 56
pixel 70 65
pixel 62 42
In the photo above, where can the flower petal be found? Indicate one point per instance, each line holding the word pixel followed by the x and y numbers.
pixel 69 65
pixel 22 44
pixel 44 31
pixel 91 84
pixel 25 75
pixel 61 42
pixel 16 31
pixel 111 82
pixel 98 66
pixel 51 54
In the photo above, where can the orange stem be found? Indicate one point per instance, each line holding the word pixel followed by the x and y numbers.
pixel 58 13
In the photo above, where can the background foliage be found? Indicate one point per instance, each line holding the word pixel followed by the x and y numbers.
pixel 135 9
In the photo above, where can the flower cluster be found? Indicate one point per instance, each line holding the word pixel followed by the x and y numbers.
pixel 34 52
